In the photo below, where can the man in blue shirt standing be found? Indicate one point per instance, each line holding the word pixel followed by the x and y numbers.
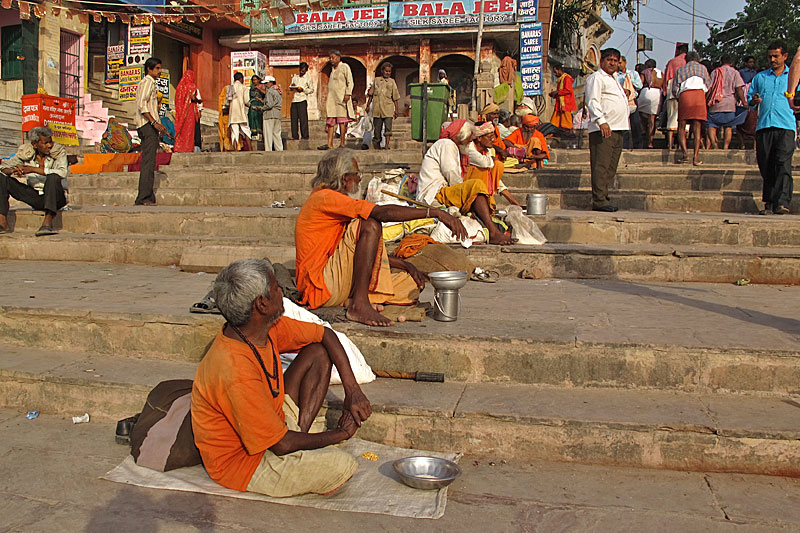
pixel 775 130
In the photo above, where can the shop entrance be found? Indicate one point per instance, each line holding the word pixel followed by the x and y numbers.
pixel 171 53
pixel 405 72
pixel 460 69
pixel 359 72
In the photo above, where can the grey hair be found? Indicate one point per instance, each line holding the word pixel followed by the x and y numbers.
pixel 692 56
pixel 332 168
pixel 466 132
pixel 335 53
pixel 238 286
pixel 38 132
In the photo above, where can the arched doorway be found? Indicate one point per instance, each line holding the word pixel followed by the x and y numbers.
pixel 405 71
pixel 359 72
pixel 460 69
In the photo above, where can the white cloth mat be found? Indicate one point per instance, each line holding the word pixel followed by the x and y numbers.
pixel 375 487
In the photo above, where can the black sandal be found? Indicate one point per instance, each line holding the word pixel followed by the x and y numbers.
pixel 205 306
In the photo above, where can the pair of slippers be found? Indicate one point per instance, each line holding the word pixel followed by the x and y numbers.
pixel 485 276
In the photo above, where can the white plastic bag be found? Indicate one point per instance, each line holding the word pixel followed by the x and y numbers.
pixel 523 229
pixel 361 369
pixel 392 180
pixel 475 231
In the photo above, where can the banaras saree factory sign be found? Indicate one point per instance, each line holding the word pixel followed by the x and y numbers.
pixel 450 13
pixel 361 18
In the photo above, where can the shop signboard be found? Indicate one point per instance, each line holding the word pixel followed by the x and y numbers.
pixel 115 60
pixel 527 10
pixel 55 112
pixel 248 63
pixel 289 57
pixel 162 85
pixel 348 19
pixel 530 58
pixel 129 78
pixel 451 13
pixel 140 43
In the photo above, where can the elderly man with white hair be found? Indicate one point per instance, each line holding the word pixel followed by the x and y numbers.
pixel 42 161
pixel 252 422
pixel 441 178
pixel 340 256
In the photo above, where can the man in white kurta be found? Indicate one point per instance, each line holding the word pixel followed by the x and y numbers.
pixel 339 104
pixel 238 113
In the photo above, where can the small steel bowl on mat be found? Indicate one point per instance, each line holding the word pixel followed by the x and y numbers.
pixel 428 473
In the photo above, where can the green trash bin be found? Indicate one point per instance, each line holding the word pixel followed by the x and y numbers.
pixel 438 97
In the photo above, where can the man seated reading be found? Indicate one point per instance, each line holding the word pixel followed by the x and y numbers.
pixel 527 143
pixel 251 420
pixel 41 161
pixel 442 183
pixel 341 259
pixel 485 166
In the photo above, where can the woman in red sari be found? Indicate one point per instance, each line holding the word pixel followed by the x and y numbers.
pixel 186 113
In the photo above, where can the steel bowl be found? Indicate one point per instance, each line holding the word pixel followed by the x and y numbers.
pixel 448 279
pixel 427 473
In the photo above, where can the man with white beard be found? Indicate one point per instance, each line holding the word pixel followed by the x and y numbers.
pixel 441 178
pixel 340 256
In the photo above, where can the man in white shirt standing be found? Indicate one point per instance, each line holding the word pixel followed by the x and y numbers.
pixel 149 128
pixel 607 104
pixel 302 87
pixel 238 114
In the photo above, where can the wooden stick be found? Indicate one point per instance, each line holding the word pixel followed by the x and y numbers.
pixel 409 200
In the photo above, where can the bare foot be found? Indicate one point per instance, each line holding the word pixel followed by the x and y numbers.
pixel 377 307
pixel 367 315
pixel 499 238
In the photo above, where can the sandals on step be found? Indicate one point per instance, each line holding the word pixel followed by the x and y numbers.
pixel 485 276
pixel 205 306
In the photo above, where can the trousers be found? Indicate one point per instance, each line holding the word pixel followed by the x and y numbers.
pixel 299 117
pixel 272 135
pixel 50 202
pixel 147 171
pixel 774 151
pixel 381 124
pixel 604 155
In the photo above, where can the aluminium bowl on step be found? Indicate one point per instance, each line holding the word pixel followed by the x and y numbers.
pixel 427 473
pixel 448 279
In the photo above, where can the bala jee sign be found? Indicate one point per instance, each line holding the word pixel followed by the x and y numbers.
pixel 530 58
pixel 450 13
pixel 360 18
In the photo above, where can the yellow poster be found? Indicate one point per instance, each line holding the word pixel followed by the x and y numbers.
pixel 64 134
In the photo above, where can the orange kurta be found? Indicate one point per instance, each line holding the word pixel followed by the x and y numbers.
pixel 320 226
pixel 537 141
pixel 234 416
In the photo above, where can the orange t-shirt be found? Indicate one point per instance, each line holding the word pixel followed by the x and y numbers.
pixel 234 416
pixel 539 140
pixel 320 226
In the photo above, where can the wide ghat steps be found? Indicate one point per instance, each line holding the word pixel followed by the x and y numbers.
pixel 622 385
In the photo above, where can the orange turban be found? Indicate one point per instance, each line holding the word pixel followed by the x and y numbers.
pixel 530 120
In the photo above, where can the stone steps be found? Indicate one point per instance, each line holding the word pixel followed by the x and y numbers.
pixel 652 429
pixel 666 158
pixel 559 226
pixel 633 262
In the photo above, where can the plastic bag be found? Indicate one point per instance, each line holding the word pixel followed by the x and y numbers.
pixel 523 229
pixel 392 180
pixel 475 231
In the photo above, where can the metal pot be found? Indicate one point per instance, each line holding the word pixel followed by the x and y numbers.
pixel 537 204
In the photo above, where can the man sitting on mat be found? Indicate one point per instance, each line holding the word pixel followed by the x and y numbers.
pixel 341 259
pixel 485 166
pixel 442 182
pixel 252 423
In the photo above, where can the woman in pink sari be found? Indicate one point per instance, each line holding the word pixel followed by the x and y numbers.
pixel 187 98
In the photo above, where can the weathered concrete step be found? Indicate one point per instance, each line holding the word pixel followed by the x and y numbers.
pixel 650 429
pixel 688 337
pixel 257 197
pixel 659 201
pixel 636 179
pixel 559 226
pixel 398 142
pixel 632 262
pixel 666 158
pixel 288 157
